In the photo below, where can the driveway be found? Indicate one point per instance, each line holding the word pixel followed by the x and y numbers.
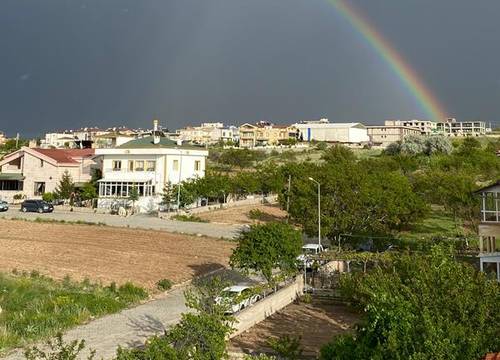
pixel 140 221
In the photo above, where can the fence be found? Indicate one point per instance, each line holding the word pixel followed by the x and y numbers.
pixel 268 306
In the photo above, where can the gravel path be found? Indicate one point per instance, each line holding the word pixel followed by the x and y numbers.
pixel 215 230
pixel 129 328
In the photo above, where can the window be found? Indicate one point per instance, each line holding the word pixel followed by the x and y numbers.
pixel 131 165
pixel 117 165
pixel 150 165
pixel 175 165
pixel 197 165
pixel 139 165
pixel 41 163
pixel 39 188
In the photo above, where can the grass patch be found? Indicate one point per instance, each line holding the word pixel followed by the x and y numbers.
pixel 438 223
pixel 56 221
pixel 36 307
pixel 190 218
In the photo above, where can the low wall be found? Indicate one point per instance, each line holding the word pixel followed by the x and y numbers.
pixel 268 306
pixel 251 201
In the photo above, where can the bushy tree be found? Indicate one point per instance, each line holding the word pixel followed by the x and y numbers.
pixel 266 247
pixel 88 191
pixel 421 307
pixel 66 187
pixel 200 335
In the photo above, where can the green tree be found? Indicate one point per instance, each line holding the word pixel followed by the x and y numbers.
pixel 66 187
pixel 200 335
pixel 267 247
pixel 57 349
pixel 169 196
pixel 133 195
pixel 421 307
pixel 88 191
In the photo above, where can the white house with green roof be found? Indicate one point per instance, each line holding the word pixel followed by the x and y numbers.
pixel 147 164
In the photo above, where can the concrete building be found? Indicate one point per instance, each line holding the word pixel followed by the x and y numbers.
pixel 452 127
pixel 383 135
pixel 147 164
pixel 3 138
pixel 264 134
pixel 208 133
pixel 323 130
pixel 489 228
pixel 32 172
pixel 426 127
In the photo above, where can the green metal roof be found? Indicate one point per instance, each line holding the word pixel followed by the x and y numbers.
pixel 11 176
pixel 147 143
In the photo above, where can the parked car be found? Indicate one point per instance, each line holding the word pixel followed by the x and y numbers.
pixel 4 206
pixel 237 297
pixel 39 206
pixel 309 250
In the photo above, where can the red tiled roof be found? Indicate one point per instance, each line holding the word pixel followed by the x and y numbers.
pixel 492 356
pixel 66 156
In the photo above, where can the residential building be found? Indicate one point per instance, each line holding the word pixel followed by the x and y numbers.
pixel 383 135
pixel 147 164
pixel 208 133
pixel 33 171
pixel 489 228
pixel 112 139
pixel 59 140
pixel 264 134
pixel 452 127
pixel 426 127
pixel 323 130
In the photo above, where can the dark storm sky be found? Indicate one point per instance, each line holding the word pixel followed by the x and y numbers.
pixel 72 63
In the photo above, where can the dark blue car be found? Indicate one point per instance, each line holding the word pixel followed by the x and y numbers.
pixel 39 206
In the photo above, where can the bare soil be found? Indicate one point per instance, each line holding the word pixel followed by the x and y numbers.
pixel 315 323
pixel 240 214
pixel 105 254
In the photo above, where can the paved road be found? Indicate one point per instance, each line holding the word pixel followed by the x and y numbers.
pixel 136 221
pixel 130 328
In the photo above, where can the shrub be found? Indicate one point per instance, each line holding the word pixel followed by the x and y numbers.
pixel 48 196
pixel 306 298
pixel 164 284
pixel 58 350
pixel 189 218
pixel 287 347
pixel 256 214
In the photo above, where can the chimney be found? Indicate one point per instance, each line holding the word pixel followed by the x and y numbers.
pixel 156 136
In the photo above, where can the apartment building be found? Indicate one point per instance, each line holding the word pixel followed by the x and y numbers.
pixel 147 164
pixel 489 229
pixel 323 130
pixel 31 172
pixel 383 135
pixel 264 134
pixel 454 128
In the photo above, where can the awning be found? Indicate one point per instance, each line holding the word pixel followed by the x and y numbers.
pixel 11 176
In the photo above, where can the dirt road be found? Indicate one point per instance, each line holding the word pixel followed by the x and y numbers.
pixel 106 254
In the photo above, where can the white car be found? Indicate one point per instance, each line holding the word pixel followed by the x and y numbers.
pixel 237 297
pixel 309 250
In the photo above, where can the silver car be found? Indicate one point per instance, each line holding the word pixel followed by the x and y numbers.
pixel 4 206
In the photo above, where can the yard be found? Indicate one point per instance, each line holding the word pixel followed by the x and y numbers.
pixel 106 254
pixel 315 323
pixel 242 214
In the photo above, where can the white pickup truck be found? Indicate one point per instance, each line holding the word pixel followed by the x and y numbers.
pixel 309 250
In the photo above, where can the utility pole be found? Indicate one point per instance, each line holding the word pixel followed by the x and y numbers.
pixel 288 198
pixel 319 208
pixel 17 140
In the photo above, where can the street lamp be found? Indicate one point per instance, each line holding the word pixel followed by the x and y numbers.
pixel 319 209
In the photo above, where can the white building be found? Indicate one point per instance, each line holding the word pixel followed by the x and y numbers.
pixel 452 127
pixel 147 164
pixel 323 130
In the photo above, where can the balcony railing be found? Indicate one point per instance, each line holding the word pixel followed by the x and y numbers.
pixel 489 244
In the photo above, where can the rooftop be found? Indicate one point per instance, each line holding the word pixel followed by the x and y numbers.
pixel 66 155
pixel 147 143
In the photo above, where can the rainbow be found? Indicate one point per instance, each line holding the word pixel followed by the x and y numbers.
pixel 423 95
